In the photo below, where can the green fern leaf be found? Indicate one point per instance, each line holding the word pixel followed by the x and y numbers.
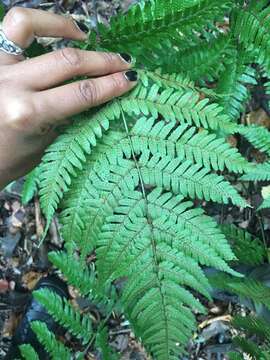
pixel 54 347
pixel 247 249
pixel 157 257
pixel 150 23
pixel 258 136
pixel 204 60
pixel 232 85
pixel 235 356
pixel 188 179
pixel 247 287
pixel 249 347
pixel 28 352
pixel 260 172
pixel 79 276
pixel 250 25
pixel 253 326
pixel 83 195
pixel 30 186
pixel 185 143
pixel 60 309
pixel 68 153
pixel 102 343
pixel 185 107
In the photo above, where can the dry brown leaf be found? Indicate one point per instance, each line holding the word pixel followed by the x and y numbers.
pixel 4 286
pixel 11 325
pixel 259 117
pixel 31 278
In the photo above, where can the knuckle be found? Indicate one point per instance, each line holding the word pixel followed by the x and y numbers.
pixel 118 82
pixel 109 58
pixel 17 16
pixel 88 92
pixel 20 116
pixel 70 57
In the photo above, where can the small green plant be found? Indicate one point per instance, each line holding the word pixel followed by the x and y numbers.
pixel 130 177
pixel 250 326
pixel 252 292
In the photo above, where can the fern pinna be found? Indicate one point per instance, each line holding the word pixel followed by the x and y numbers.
pixel 130 176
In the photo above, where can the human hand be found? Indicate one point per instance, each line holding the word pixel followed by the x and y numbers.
pixel 32 99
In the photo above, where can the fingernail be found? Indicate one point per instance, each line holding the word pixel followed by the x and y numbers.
pixel 81 26
pixel 131 75
pixel 127 58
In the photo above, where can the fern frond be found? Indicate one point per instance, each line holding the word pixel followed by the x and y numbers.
pixel 160 270
pixel 250 26
pixel 80 277
pixel 83 195
pixel 77 324
pixel 258 136
pixel 188 179
pixel 28 352
pixel 30 186
pixel 235 356
pixel 181 106
pixel 67 154
pixel 248 347
pixel 65 157
pixel 165 255
pixel 169 81
pixel 247 249
pixel 260 172
pixel 127 186
pixel 203 61
pixel 246 287
pixel 186 143
pixel 151 23
pixel 200 227
pixel 102 343
pixel 233 86
pixel 253 326
pixel 54 347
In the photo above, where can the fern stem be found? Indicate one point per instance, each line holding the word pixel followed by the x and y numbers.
pixel 149 221
pixel 91 341
pixel 263 237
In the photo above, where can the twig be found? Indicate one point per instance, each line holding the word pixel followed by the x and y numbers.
pixel 263 236
pixel 39 225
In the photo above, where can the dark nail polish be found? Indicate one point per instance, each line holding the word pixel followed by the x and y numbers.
pixel 127 58
pixel 131 75
pixel 82 26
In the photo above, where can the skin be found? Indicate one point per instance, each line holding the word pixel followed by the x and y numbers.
pixel 33 99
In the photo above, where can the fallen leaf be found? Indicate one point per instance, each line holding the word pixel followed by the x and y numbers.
pixel 11 325
pixel 4 286
pixel 259 117
pixel 31 278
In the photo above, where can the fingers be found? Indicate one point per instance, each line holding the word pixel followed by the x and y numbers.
pixel 21 25
pixel 62 102
pixel 52 69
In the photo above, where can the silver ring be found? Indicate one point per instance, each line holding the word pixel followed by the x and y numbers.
pixel 9 46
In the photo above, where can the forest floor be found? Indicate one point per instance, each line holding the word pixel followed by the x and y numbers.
pixel 22 264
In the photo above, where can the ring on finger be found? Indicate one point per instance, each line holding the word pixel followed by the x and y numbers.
pixel 9 46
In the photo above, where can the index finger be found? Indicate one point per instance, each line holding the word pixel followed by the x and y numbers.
pixel 62 102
